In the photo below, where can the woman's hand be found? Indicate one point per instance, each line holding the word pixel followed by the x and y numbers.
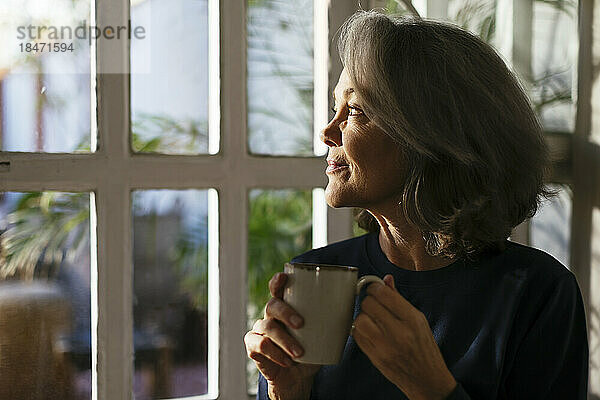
pixel 397 339
pixel 271 347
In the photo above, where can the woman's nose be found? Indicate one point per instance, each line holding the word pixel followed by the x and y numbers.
pixel 331 135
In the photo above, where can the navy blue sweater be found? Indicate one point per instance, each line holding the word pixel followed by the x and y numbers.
pixel 510 325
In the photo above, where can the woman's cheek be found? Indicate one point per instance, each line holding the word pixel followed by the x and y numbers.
pixel 355 136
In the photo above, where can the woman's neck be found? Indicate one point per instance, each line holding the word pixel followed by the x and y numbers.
pixel 403 244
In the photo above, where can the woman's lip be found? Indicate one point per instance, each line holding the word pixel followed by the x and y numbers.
pixel 335 168
pixel 335 163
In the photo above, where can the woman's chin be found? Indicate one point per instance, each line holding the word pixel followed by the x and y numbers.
pixel 336 198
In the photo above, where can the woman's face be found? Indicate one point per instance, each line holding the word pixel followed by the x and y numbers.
pixel 364 164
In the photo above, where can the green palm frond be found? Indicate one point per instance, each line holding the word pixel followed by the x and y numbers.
pixel 43 230
pixel 279 228
pixel 157 133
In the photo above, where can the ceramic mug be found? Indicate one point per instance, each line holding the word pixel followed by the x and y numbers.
pixel 324 296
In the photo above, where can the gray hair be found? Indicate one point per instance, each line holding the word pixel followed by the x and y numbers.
pixel 474 148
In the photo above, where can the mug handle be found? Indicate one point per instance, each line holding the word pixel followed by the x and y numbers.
pixel 367 279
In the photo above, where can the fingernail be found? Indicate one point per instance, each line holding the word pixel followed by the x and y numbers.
pixel 296 321
pixel 296 351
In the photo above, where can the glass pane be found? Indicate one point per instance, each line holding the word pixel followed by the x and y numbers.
pixel 45 84
pixel 170 241
pixel 550 228
pixel 280 77
pixel 396 7
pixel 554 63
pixel 45 328
pixel 279 228
pixel 477 16
pixel 169 80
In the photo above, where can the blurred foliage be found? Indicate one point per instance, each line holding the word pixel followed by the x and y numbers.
pixel 280 55
pixel 567 6
pixel 357 230
pixel 478 16
pixel 279 228
pixel 190 258
pixel 550 89
pixel 164 134
pixel 44 229
pixel 399 7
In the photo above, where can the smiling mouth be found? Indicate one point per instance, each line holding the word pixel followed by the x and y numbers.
pixel 333 166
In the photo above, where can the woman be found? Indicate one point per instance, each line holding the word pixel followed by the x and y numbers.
pixel 435 140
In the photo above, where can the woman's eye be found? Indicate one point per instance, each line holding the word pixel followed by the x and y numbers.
pixel 354 112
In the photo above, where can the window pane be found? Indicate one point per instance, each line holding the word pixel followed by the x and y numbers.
pixel 395 7
pixel 280 77
pixel 477 16
pixel 45 328
pixel 550 228
pixel 279 228
pixel 554 63
pixel 45 85
pixel 169 80
pixel 170 242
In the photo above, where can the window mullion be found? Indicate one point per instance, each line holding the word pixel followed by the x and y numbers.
pixel 62 172
pixel 233 200
pixel 585 222
pixel 233 239
pixel 113 316
pixel 437 9
pixel 514 33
